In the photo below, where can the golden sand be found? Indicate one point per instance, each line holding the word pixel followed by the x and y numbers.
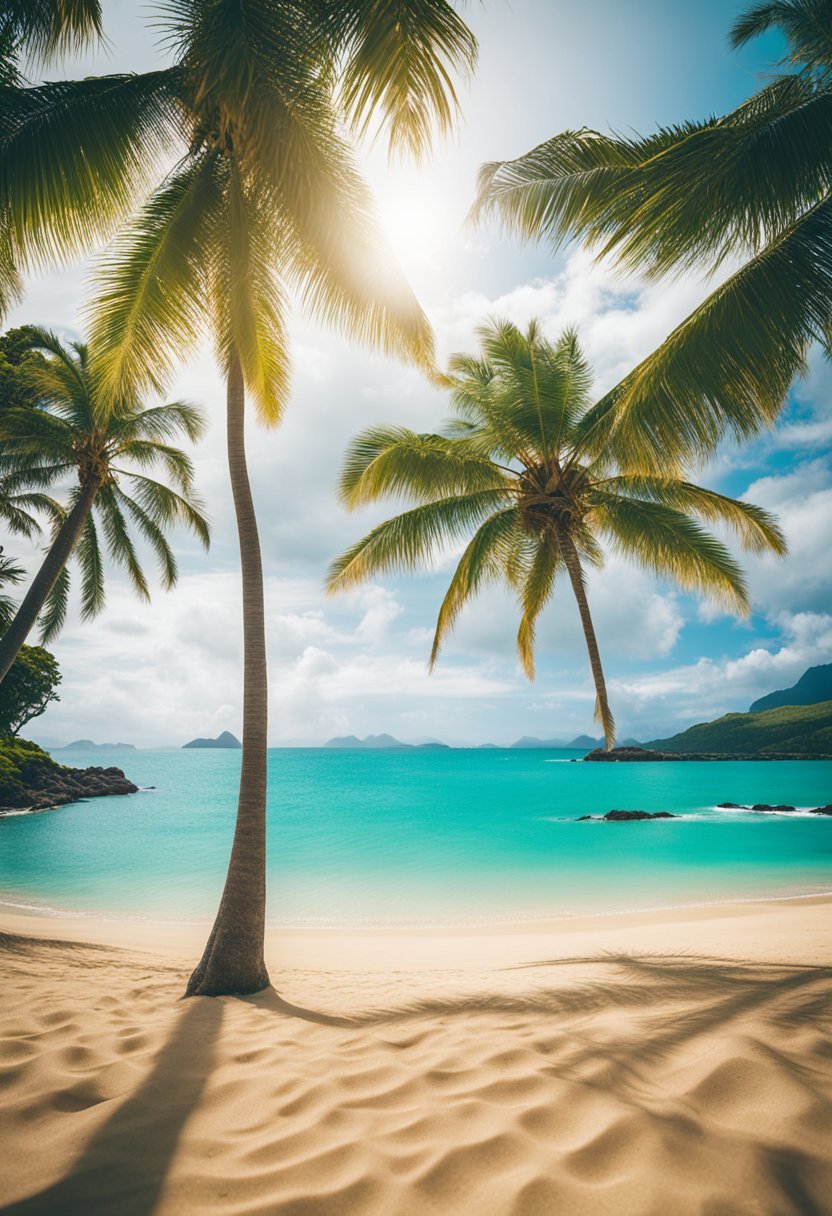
pixel 670 1064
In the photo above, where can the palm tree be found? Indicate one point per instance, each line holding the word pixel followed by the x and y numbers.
pixel 108 454
pixel 521 467
pixel 754 187
pixel 264 200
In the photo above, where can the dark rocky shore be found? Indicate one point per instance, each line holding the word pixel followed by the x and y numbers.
pixel 31 780
pixel 618 754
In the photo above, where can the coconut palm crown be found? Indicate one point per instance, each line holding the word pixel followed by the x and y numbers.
pixel 519 475
pixel 104 459
pixel 748 194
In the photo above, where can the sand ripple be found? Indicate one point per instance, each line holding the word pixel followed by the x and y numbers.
pixel 633 1085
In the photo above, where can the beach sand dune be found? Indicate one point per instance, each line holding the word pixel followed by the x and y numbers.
pixel 577 1075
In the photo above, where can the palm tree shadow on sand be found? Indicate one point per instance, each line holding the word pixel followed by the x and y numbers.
pixel 670 1001
pixel 123 1167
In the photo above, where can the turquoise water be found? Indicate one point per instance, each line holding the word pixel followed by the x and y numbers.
pixel 412 837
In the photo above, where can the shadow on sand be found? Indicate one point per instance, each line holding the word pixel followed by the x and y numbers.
pixel 662 1003
pixel 122 1169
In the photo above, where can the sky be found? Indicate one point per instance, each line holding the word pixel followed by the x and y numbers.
pixel 162 673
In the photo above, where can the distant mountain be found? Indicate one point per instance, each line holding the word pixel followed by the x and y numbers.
pixel 814 685
pixel 433 746
pixel 87 745
pixel 533 741
pixel 226 739
pixel 489 746
pixel 371 741
pixel 580 742
pixel 804 730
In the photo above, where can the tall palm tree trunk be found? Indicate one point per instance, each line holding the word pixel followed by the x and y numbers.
pixel 233 959
pixel 43 582
pixel 576 577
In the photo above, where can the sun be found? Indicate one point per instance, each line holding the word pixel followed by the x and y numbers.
pixel 415 224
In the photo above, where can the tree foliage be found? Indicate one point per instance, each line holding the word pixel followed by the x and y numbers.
pixel 748 194
pixel 520 474
pixel 71 439
pixel 29 688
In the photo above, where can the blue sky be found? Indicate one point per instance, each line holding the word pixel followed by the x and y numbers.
pixel 165 672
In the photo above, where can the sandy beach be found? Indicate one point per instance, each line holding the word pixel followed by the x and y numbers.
pixel 652 1063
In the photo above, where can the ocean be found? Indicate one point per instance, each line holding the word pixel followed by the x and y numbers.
pixel 423 837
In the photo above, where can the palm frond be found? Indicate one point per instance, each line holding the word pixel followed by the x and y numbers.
pixel 44 29
pixel 410 539
pixel 484 561
pixel 726 370
pixel 535 594
pixel 757 530
pixel 150 296
pixel 155 537
pixel 88 554
pixel 400 62
pixel 166 507
pixel 672 545
pixel 119 542
pixel 54 612
pixel 398 462
pixel 249 302
pixel 75 156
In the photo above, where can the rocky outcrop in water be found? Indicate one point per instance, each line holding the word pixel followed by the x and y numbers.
pixel 39 783
pixel 626 816
pixel 768 808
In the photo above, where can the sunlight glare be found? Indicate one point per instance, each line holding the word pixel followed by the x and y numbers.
pixel 415 223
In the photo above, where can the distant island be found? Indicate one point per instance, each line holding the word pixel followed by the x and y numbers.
pixel 813 687
pixel 384 743
pixel 226 739
pixel 87 745
pixel 585 742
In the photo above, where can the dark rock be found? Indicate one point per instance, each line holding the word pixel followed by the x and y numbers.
pixel 732 806
pixel 765 807
pixel 625 816
pixel 625 753
pixel 47 785
pixel 822 810
pixel 648 753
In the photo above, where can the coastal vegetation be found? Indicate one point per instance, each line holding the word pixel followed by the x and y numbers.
pixel 524 468
pixel 30 780
pixel 753 187
pixel 804 730
pixel 31 683
pixel 104 456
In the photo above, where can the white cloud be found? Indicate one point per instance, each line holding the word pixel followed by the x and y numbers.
pixel 711 687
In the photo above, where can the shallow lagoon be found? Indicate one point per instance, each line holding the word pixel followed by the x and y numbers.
pixel 423 836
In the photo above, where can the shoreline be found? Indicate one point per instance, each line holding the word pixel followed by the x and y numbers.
pixel 750 922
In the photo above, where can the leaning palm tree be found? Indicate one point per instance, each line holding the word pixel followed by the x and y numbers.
pixel 521 467
pixel 264 201
pixel 753 187
pixel 106 456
